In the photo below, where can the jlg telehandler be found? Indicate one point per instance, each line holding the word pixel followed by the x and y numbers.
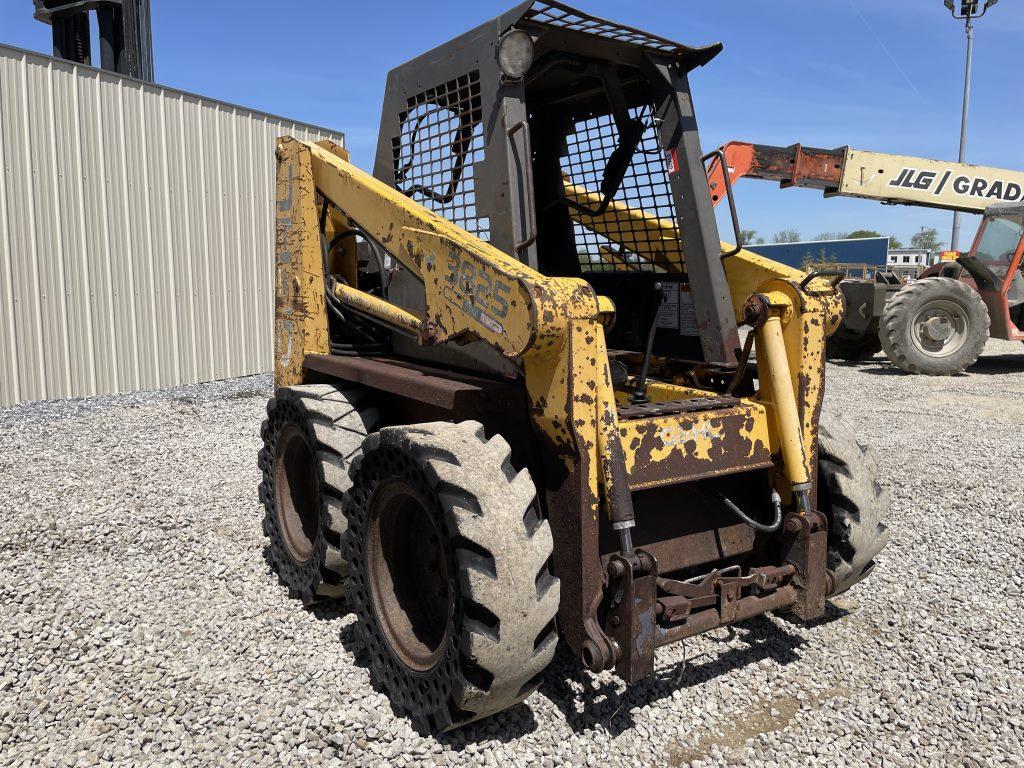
pixel 513 404
pixel 939 324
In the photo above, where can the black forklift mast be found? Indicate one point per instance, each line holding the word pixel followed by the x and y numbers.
pixel 125 33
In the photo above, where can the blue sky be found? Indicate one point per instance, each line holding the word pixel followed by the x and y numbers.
pixel 883 76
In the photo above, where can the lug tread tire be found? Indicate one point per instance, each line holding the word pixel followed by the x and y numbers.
pixel 854 502
pixel 894 328
pixel 502 554
pixel 335 429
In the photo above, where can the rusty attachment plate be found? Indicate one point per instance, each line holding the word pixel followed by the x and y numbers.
pixel 806 549
pixel 631 620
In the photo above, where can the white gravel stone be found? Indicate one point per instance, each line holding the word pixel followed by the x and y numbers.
pixel 139 624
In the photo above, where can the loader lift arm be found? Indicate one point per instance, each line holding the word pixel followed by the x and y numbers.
pixel 472 291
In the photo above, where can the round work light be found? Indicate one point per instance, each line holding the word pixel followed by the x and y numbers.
pixel 515 54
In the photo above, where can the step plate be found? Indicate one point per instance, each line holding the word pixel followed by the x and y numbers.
pixel 671 407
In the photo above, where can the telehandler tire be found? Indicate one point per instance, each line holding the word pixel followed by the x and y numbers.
pixel 936 326
pixel 449 573
pixel 310 436
pixel 854 503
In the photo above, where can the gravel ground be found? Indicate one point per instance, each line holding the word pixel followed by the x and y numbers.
pixel 139 625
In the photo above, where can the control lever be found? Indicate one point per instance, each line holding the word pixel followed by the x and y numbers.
pixel 639 396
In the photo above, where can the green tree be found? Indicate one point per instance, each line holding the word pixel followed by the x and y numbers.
pixel 831 236
pixel 927 239
pixel 859 234
pixel 786 236
pixel 820 260
pixel 895 243
pixel 748 237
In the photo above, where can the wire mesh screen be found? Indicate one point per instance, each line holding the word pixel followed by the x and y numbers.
pixel 638 230
pixel 558 15
pixel 441 138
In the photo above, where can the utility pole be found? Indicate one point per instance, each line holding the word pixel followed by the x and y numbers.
pixel 968 12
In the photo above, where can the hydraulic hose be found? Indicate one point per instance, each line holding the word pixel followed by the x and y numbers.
pixel 771 528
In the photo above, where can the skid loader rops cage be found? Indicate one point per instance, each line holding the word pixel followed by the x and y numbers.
pixel 513 404
pixel 568 167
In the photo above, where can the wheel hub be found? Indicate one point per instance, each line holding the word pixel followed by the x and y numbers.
pixel 295 487
pixel 937 329
pixel 408 576
pixel 940 328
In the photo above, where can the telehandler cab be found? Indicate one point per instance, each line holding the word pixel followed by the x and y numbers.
pixel 513 404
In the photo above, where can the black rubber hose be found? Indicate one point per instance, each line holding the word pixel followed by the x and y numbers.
pixel 385 278
pixel 775 524
pixel 352 323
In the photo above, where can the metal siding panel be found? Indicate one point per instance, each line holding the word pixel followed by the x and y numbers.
pixel 270 228
pixel 161 294
pixel 92 213
pixel 9 390
pixel 243 244
pixel 72 252
pixel 220 291
pixel 121 246
pixel 153 204
pixel 223 289
pixel 260 265
pixel 47 230
pixel 229 224
pixel 234 285
pixel 252 263
pixel 21 224
pixel 257 263
pixel 244 256
pixel 180 239
pixel 211 230
pixel 140 234
pixel 136 233
pixel 200 247
pixel 264 228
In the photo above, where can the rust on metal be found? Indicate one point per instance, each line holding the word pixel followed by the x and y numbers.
pixel 690 446
pixel 743 608
pixel 807 551
pixel 793 166
pixel 672 407
pixel 631 616
pixel 421 383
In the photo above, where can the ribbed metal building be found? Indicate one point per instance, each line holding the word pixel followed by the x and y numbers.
pixel 136 232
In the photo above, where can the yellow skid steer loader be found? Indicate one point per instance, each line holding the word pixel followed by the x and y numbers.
pixel 513 404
